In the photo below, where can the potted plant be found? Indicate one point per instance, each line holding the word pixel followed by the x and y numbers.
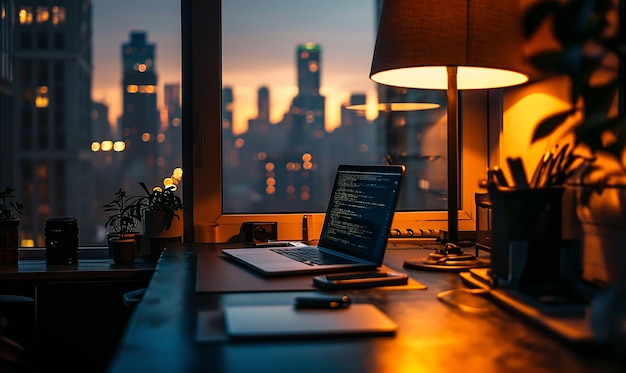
pixel 9 226
pixel 579 39
pixel 124 218
pixel 162 215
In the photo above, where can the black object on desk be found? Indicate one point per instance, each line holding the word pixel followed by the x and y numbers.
pixel 355 280
pixel 323 302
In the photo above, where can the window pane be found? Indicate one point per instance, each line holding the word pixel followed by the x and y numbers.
pixel 70 93
pixel 297 101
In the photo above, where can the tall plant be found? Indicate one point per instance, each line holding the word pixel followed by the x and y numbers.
pixel 125 213
pixel 585 47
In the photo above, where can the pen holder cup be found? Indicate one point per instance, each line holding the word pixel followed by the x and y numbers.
pixel 523 215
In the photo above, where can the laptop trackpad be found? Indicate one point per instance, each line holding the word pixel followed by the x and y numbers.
pixel 267 259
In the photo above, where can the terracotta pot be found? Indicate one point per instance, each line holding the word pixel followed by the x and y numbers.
pixel 122 250
pixel 9 234
pixel 134 235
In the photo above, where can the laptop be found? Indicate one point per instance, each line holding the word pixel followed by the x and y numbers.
pixel 355 231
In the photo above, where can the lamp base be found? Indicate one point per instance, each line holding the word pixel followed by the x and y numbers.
pixel 450 258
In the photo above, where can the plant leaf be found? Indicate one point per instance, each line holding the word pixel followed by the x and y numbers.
pixel 537 14
pixel 550 124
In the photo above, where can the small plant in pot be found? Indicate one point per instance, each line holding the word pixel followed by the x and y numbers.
pixel 9 226
pixel 125 215
pixel 162 215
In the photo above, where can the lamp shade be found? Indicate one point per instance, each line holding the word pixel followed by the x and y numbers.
pixel 397 106
pixel 418 39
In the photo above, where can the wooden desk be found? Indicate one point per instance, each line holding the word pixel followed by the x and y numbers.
pixel 432 336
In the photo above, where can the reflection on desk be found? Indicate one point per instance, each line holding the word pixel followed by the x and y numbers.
pixel 431 336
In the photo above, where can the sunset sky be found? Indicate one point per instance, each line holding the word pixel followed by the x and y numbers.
pixel 259 43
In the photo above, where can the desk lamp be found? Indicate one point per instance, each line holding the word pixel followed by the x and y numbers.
pixel 452 45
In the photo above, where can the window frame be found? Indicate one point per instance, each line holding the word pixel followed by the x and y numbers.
pixel 481 123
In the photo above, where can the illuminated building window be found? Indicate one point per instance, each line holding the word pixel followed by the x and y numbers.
pixel 150 89
pixel 132 88
pixel 42 171
pixel 25 15
pixel 43 15
pixel 41 99
pixel 58 15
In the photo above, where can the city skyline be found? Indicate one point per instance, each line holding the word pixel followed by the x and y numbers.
pixel 250 34
pixel 113 22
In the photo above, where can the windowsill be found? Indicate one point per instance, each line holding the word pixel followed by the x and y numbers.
pixel 39 253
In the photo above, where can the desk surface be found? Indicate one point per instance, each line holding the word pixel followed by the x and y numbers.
pixel 432 337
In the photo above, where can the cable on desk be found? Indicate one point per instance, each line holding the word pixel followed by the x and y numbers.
pixel 446 297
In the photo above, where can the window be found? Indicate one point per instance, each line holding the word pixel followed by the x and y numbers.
pixel 25 15
pixel 236 180
pixel 66 161
pixel 58 15
pixel 225 167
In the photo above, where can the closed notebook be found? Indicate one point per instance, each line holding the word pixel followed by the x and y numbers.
pixel 288 321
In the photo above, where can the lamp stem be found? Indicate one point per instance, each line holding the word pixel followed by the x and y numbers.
pixel 452 106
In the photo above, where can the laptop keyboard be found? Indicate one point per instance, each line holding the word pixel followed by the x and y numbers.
pixel 311 256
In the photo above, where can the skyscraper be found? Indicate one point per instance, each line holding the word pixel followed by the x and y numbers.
pixel 52 124
pixel 308 106
pixel 261 124
pixel 6 91
pixel 140 119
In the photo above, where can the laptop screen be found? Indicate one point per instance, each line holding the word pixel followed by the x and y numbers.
pixel 361 209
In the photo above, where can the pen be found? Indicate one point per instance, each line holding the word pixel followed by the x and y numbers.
pixel 323 301
pixel 499 177
pixel 537 177
pixel 518 173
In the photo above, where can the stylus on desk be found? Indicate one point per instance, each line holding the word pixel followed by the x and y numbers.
pixel 323 301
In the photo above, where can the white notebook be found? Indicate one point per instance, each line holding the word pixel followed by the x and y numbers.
pixel 287 321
